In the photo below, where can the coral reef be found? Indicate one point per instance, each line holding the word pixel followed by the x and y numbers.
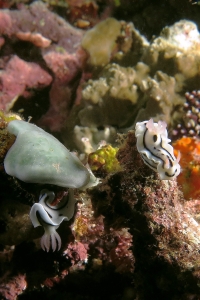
pixel 125 228
pixel 54 45
pixel 165 232
pixel 149 79
pixel 114 94
pixel 87 70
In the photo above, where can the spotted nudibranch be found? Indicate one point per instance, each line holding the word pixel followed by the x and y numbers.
pixel 50 216
pixel 156 152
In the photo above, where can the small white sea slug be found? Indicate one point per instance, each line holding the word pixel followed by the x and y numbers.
pixel 156 152
pixel 50 217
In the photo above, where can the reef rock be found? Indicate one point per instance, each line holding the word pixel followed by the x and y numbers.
pixel 52 43
pixel 165 231
pixel 16 226
pixel 18 78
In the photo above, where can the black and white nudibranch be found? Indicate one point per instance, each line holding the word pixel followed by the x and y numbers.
pixel 156 152
pixel 195 2
pixel 51 216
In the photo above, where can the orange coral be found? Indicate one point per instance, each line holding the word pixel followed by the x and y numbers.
pixel 189 177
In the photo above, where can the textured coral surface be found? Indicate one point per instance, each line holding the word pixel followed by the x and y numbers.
pixel 85 71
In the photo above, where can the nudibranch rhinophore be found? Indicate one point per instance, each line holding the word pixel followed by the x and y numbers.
pixel 50 216
pixel 156 152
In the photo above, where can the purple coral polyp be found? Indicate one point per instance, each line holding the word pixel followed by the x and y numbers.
pixel 191 124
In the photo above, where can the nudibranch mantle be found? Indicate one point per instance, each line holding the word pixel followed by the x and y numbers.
pixel 38 157
pixel 50 217
pixel 156 152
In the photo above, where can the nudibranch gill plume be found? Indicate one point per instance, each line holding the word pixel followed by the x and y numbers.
pixel 156 152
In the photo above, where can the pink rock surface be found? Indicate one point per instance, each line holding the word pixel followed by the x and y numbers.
pixel 65 67
pixel 17 77
pixel 76 252
pixel 37 18
pixel 58 44
pixel 13 287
